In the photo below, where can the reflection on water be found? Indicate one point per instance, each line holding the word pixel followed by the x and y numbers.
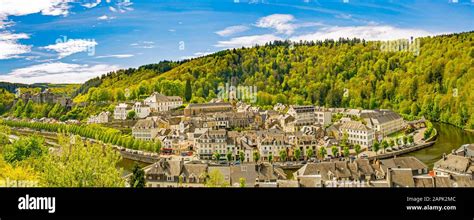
pixel 450 138
pixel 127 165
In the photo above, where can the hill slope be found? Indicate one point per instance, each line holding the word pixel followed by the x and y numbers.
pixel 436 83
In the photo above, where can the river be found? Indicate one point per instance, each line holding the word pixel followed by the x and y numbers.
pixel 127 165
pixel 449 138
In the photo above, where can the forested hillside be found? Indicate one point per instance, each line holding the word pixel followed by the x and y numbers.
pixel 437 83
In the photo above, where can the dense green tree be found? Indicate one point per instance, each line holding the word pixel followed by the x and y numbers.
pixel 384 145
pixel 376 146
pixel 256 156
pixel 137 179
pixel 335 151
pixel 81 165
pixel 216 179
pixel 427 133
pixel 18 109
pixel 188 92
pixel 131 114
pixel 346 151
pixel 322 152
pixel 297 153
pixel 24 148
pixel 283 155
pixel 216 156
pixel 309 153
pixel 391 143
pixel 242 182
pixel 241 156
pixel 28 109
pixel 357 149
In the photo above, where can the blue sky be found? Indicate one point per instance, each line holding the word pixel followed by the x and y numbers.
pixel 70 41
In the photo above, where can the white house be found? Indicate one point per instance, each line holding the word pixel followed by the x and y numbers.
pixel 272 144
pixel 145 129
pixel 141 110
pixel 159 102
pixel 210 142
pixel 358 133
pixel 102 117
pixel 384 122
pixel 323 117
pixel 302 113
pixel 120 111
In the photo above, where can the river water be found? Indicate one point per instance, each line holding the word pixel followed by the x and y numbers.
pixel 127 165
pixel 449 138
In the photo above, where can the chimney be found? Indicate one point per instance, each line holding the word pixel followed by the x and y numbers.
pixel 444 156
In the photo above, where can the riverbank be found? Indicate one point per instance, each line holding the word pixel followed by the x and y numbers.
pixel 449 138
pixel 403 151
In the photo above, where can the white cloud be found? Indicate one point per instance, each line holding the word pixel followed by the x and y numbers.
pixel 247 41
pixel 370 32
pixel 4 23
pixel 116 56
pixel 45 7
pixel 125 4
pixel 232 30
pixel 282 23
pixel 91 3
pixel 122 6
pixel 5 36
pixel 57 72
pixel 72 46
pixel 105 17
pixel 9 46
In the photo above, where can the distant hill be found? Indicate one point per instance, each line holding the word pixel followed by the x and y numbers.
pixel 11 87
pixel 60 88
pixel 436 83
